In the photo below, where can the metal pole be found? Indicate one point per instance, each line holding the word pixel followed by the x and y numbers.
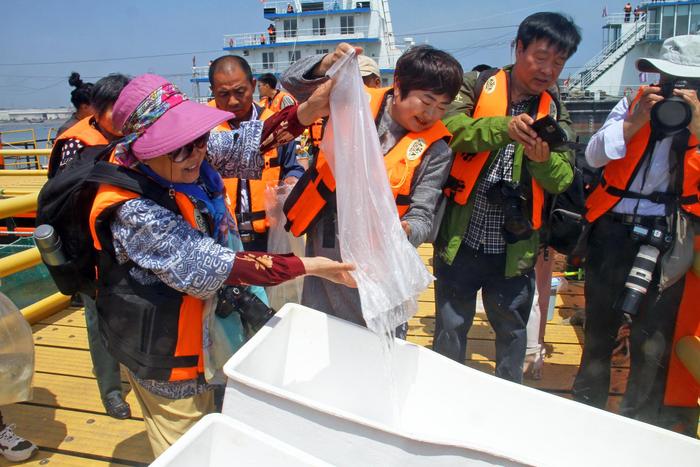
pixel 19 261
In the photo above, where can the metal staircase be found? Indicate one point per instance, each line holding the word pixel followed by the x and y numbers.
pixel 609 56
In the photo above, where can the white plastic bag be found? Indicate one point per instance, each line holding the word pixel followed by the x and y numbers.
pixel 16 354
pixel 390 273
pixel 281 241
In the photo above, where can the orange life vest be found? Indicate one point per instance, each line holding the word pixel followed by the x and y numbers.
pixel 271 174
pixel 275 104
pixel 681 388
pixel 493 102
pixel 178 338
pixel 317 186
pixel 619 174
pixel 84 132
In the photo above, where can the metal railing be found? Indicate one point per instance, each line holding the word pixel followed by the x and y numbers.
pixel 27 259
pixel 23 158
pixel 249 39
pixel 609 55
pixel 256 67
pixel 281 7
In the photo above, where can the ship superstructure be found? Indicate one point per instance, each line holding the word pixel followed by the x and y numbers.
pixel 303 28
pixel 628 37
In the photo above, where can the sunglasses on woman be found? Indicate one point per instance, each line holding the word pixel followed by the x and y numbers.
pixel 186 151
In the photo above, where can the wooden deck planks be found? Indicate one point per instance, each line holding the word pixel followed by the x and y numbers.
pixel 54 459
pixel 76 432
pixel 75 393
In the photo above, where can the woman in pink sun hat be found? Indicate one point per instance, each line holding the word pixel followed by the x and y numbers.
pixel 165 257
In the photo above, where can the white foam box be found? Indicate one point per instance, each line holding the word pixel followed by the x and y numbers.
pixel 218 440
pixel 323 385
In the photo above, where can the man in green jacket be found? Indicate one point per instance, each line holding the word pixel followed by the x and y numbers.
pixel 489 238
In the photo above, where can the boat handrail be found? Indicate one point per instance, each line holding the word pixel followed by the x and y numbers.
pixel 29 258
pixel 297 34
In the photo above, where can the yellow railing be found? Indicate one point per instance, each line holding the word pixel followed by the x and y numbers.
pixel 30 154
pixel 27 259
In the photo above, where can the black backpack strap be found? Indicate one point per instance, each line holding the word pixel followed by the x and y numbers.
pixel 131 180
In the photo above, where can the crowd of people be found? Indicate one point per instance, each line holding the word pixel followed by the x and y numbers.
pixel 469 172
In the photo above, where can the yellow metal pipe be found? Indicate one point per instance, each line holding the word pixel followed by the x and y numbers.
pixel 688 351
pixel 18 205
pixel 17 191
pixel 45 307
pixel 25 152
pixel 19 261
pixel 30 172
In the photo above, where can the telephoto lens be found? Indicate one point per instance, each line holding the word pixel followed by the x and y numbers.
pixel 639 279
pixel 49 245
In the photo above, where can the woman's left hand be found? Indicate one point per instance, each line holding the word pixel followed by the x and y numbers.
pixel 328 269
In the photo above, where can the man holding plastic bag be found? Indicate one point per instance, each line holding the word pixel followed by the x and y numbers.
pixel 16 371
pixel 416 160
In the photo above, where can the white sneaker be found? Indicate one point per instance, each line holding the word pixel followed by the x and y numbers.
pixel 13 447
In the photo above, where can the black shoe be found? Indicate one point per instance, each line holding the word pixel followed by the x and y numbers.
pixel 116 406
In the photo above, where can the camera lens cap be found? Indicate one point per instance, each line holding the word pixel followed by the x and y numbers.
pixel 671 115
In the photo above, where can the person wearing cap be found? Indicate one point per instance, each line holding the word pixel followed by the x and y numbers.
pixel 164 256
pixel 270 97
pixel 650 180
pixel 232 84
pixel 414 144
pixel 369 70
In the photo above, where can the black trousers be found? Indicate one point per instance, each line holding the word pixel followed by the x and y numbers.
pixel 611 253
pixel 507 302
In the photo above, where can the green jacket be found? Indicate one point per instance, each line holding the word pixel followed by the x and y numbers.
pixel 491 133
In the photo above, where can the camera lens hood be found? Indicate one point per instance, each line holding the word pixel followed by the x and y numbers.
pixel 671 115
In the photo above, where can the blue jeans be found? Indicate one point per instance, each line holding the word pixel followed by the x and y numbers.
pixel 507 302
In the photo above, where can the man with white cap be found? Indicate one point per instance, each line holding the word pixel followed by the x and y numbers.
pixel 640 242
pixel 369 70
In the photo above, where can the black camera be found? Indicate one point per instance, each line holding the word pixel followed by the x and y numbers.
pixel 653 241
pixel 253 311
pixel 510 196
pixel 672 114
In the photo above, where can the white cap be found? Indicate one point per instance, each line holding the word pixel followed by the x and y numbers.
pixel 368 66
pixel 680 56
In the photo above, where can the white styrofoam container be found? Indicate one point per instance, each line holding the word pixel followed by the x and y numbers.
pixel 218 440
pixel 323 385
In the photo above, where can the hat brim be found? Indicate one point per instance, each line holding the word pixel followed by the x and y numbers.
pixel 176 127
pixel 656 65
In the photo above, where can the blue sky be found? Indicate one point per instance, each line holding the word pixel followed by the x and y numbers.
pixel 37 34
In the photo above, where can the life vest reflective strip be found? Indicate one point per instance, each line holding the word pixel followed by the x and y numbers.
pixel 619 174
pixel 189 333
pixel 84 132
pixel 681 388
pixel 317 186
pixel 493 102
pixel 271 174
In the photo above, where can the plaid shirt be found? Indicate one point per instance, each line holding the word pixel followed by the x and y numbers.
pixel 486 224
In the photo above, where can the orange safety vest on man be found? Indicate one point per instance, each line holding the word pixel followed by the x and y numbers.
pixel 619 174
pixel 275 104
pixel 314 190
pixel 83 131
pixel 157 336
pixel 493 101
pixel 271 174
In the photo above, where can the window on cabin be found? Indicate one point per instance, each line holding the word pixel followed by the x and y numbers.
pixel 293 56
pixel 268 60
pixel 695 19
pixel 290 27
pixel 319 26
pixel 347 25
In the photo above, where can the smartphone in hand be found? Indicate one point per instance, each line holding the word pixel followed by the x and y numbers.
pixel 549 130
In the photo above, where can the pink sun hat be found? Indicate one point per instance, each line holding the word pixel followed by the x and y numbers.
pixel 156 118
